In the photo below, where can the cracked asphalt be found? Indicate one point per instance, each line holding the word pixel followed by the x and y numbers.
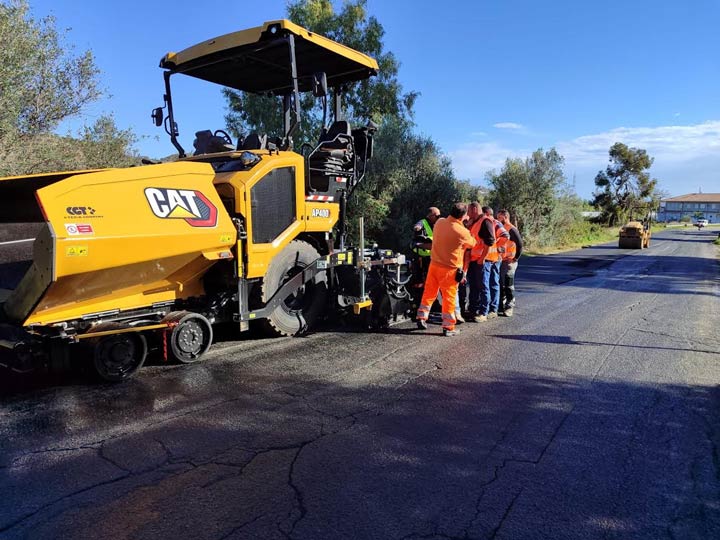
pixel 593 413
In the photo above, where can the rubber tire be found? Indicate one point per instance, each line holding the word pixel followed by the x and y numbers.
pixel 131 344
pixel 191 338
pixel 283 321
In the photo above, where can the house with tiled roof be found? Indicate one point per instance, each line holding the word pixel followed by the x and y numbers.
pixel 674 208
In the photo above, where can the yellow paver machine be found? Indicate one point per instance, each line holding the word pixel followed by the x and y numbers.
pixel 150 258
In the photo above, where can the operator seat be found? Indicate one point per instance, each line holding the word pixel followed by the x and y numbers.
pixel 333 155
pixel 253 142
pixel 338 136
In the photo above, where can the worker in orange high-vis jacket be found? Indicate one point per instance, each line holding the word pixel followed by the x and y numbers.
pixel 484 273
pixel 450 241
pixel 484 236
pixel 513 247
pixel 491 261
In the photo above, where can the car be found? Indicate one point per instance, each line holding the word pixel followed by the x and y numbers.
pixel 700 223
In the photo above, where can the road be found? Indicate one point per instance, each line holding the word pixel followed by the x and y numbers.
pixel 593 413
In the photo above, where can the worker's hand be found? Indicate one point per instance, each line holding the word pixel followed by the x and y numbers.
pixel 464 281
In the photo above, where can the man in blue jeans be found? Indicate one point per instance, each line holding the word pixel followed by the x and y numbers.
pixel 480 270
pixel 492 271
pixel 484 271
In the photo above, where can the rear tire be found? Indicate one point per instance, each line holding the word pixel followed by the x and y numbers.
pixel 308 302
pixel 118 357
pixel 190 338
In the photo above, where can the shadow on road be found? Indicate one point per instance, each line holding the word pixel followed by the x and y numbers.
pixel 647 272
pixel 249 455
pixel 567 340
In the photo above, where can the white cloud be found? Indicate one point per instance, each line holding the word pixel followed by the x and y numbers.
pixel 508 125
pixel 667 144
pixel 473 160
pixel 683 154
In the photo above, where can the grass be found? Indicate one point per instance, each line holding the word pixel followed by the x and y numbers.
pixel 593 235
pixel 585 234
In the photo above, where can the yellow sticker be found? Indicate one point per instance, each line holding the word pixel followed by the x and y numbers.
pixel 76 251
pixel 341 256
pixel 225 238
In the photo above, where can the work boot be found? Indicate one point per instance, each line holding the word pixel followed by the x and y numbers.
pixel 482 318
pixel 492 315
pixel 450 333
pixel 459 318
pixel 421 324
pixel 508 312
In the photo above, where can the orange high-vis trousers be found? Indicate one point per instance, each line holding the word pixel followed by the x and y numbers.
pixel 440 278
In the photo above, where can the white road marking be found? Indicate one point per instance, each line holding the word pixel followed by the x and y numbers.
pixel 16 241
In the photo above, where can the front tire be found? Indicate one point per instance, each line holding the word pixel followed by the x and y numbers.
pixel 300 309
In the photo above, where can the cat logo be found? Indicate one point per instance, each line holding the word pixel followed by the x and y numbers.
pixel 190 205
pixel 320 212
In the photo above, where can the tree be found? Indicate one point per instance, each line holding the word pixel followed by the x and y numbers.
pixel 375 98
pixel 43 83
pixel 408 174
pixel 529 189
pixel 625 187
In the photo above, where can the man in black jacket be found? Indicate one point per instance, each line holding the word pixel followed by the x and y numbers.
pixel 509 265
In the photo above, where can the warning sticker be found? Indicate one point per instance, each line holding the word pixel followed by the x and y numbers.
pixel 75 229
pixel 76 251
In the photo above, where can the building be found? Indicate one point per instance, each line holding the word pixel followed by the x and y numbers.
pixel 692 206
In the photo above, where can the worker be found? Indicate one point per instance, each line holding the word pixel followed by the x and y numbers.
pixel 421 245
pixel 474 274
pixel 513 247
pixel 450 241
pixel 484 268
pixel 494 281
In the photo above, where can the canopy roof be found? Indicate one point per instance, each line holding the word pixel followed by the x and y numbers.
pixel 258 60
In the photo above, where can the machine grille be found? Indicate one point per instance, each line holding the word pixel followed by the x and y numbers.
pixel 273 204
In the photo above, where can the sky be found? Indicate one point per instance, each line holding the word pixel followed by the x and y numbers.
pixel 497 78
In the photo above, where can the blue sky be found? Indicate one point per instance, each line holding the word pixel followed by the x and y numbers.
pixel 497 78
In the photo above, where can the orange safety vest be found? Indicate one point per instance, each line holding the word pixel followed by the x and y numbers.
pixel 482 252
pixel 510 249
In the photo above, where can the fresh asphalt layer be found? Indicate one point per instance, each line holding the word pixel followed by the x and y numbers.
pixel 592 413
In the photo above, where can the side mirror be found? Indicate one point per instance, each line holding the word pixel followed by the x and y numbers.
pixel 319 84
pixel 157 116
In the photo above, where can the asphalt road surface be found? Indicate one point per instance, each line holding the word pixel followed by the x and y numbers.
pixel 593 413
